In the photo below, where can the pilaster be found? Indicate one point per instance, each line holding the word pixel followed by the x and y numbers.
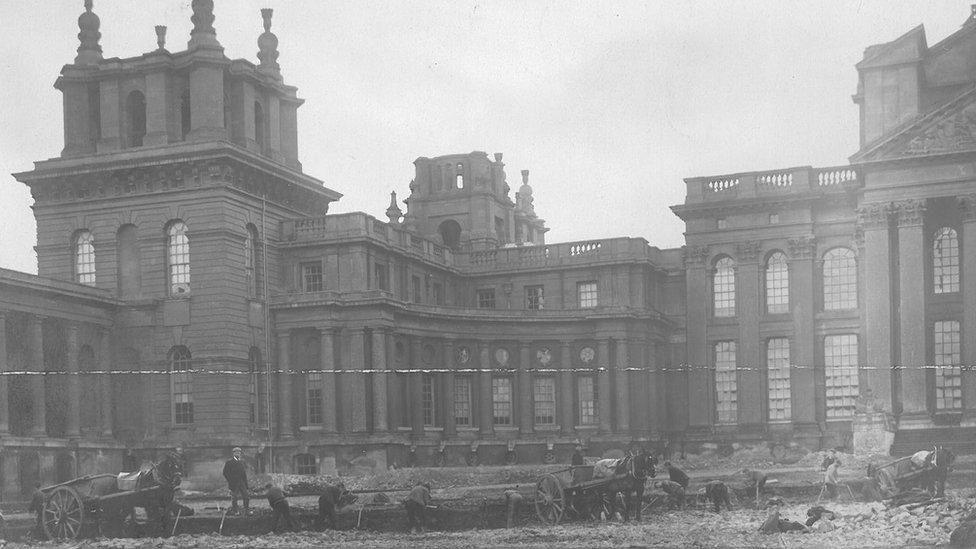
pixel 109 110
pixel 622 383
pixel 803 405
pixel 699 396
pixel 416 388
pixel 328 366
pixel 750 398
pixel 525 410
pixel 566 400
pixel 74 382
pixel 285 416
pixel 105 381
pixel 380 410
pixel 448 363
pixel 878 302
pixel 4 368
pixel 604 388
pixel 486 423
pixel 968 242
pixel 911 321
pixel 35 329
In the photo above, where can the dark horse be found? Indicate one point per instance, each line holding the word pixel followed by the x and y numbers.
pixel 630 476
pixel 152 488
pixel 935 478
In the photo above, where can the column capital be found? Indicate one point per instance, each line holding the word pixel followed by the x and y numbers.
pixel 910 213
pixel 524 344
pixel 749 252
pixel 802 247
pixel 695 256
pixel 967 206
pixel 874 216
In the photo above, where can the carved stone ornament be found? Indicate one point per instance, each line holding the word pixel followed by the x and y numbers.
pixel 427 354
pixel 874 216
pixel 544 355
pixel 463 355
pixel 967 207
pixel 501 356
pixel 587 354
pixel 910 213
pixel 695 256
pixel 749 251
pixel 956 132
pixel 802 247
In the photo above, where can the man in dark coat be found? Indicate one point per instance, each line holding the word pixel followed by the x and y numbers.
pixel 675 492
pixel 577 456
pixel 513 502
pixel 416 504
pixel 279 505
pixel 677 475
pixel 37 507
pixel 718 493
pixel 235 471
pixel 333 498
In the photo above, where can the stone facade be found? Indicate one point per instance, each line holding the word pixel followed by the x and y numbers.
pixel 194 291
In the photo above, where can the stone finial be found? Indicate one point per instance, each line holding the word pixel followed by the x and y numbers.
pixel 394 212
pixel 498 157
pixel 89 51
pixel 268 47
pixel 203 33
pixel 524 195
pixel 161 37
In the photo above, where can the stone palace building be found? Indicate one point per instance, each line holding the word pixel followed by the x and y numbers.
pixel 194 292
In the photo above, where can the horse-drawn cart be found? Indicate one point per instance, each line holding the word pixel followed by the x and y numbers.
pixel 903 474
pixel 100 504
pixel 575 492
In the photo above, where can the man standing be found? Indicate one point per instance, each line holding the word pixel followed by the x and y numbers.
pixel 577 456
pixel 332 499
pixel 416 505
pixel 279 505
pixel 37 507
pixel 235 471
pixel 831 479
pixel 513 502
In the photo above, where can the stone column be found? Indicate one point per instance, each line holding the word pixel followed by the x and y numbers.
pixel 4 368
pixel 911 302
pixel 109 109
pixel 206 102
pixel 486 421
pixel 657 390
pixel 74 382
pixel 354 383
pixel 750 398
pixel 450 428
pixel 394 389
pixel 699 402
pixel 105 381
pixel 622 382
pixel 35 328
pixel 286 418
pixel 803 406
pixel 604 388
pixel 566 400
pixel 525 409
pixel 157 107
pixel 416 388
pixel 968 242
pixel 328 366
pixel 877 301
pixel 380 409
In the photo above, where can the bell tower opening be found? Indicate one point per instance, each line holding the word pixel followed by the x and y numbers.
pixel 450 232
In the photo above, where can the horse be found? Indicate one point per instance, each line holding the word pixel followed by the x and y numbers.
pixel 152 489
pixel 630 476
pixel 940 463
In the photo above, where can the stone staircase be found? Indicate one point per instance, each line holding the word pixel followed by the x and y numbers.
pixel 961 440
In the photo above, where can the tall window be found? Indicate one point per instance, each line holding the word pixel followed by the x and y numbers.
pixel 459 178
pixel 725 383
pixel 777 284
pixel 305 464
pixel 415 282
pixel 544 391
pixel 840 366
pixel 312 277
pixel 381 276
pixel 586 388
pixel 250 243
pixel 501 400
pixel 948 374
pixel 534 298
pixel 462 401
pixel 135 110
pixel 587 293
pixel 178 257
pixel 254 370
pixel 778 378
pixel 945 261
pixel 437 293
pixel 428 398
pixel 486 298
pixel 839 280
pixel 313 397
pixel 181 385
pixel 259 126
pixel 723 287
pixel 85 258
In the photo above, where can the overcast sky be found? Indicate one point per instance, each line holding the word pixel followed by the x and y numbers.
pixel 609 104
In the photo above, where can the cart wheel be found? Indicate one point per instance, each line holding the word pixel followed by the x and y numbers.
pixel 64 514
pixel 550 502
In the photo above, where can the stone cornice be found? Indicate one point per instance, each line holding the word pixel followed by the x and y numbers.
pixel 909 213
pixel 874 216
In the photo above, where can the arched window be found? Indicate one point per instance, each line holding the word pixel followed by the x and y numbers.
pixel 945 261
pixel 85 258
pixel 777 284
pixel 135 112
pixel 459 178
pixel 450 232
pixel 250 260
pixel 723 287
pixel 259 126
pixel 185 113
pixel 305 464
pixel 839 280
pixel 181 385
pixel 254 370
pixel 178 258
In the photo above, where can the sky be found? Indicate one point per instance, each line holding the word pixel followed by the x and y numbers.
pixel 610 105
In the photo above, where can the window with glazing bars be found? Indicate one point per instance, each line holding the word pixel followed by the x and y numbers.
pixel 486 298
pixel 428 398
pixel 948 373
pixel 178 257
pixel 945 261
pixel 254 370
pixel 544 392
pixel 840 367
pixel 778 378
pixel 588 409
pixel 381 275
pixel 587 293
pixel 501 400
pixel 723 287
pixel 839 280
pixel 777 284
pixel 726 389
pixel 534 298
pixel 182 385
pixel 305 464
pixel 313 397
pixel 85 259
pixel 312 277
pixel 462 401
pixel 249 262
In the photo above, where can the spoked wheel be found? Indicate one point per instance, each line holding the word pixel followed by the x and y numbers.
pixel 64 514
pixel 550 501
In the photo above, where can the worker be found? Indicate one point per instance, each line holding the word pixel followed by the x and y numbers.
pixel 677 475
pixel 416 505
pixel 332 499
pixel 37 507
pixel 278 501
pixel 513 501
pixel 718 493
pixel 235 472
pixel 675 492
pixel 831 479
pixel 577 456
